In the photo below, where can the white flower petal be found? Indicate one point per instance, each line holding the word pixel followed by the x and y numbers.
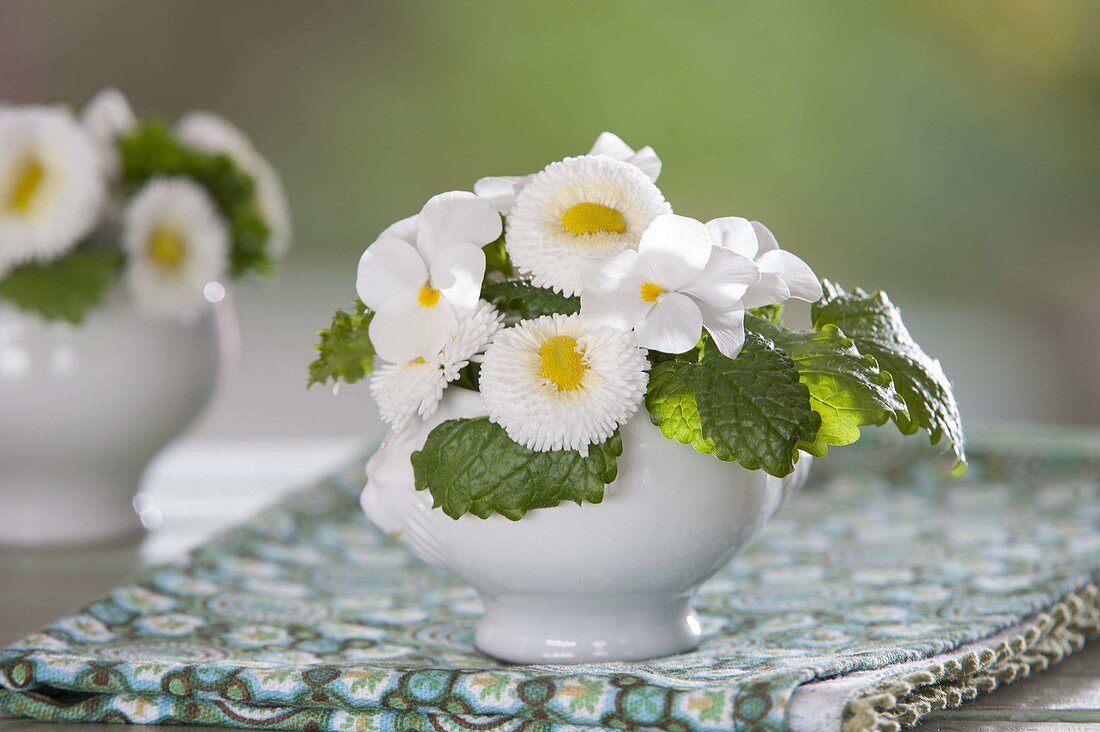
pixel 457 272
pixel 401 330
pixel 726 328
pixel 765 238
pixel 611 291
pixel 106 117
pixel 500 191
pixel 769 290
pixel 406 229
pixel 672 326
pixel 539 414
pixel 725 279
pixel 795 273
pixel 736 234
pixel 403 391
pixel 176 243
pixel 388 268
pixel 645 159
pixel 677 248
pixel 453 217
pixel 554 256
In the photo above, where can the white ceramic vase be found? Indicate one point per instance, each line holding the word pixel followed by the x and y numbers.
pixel 598 582
pixel 84 409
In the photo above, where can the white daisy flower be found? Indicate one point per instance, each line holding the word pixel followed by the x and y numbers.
pixel 783 276
pixel 106 117
pixel 214 134
pixel 577 210
pixel 501 191
pixel 553 384
pixel 176 243
pixel 51 189
pixel 423 274
pixel 676 284
pixel 415 387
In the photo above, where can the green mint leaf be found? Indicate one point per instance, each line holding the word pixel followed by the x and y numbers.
pixel 752 409
pixel 846 388
pixel 519 298
pixel 773 312
pixel 345 352
pixel 473 466
pixel 65 288
pixel 153 150
pixel 874 325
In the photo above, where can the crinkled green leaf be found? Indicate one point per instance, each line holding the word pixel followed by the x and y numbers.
pixel 153 150
pixel 345 352
pixel 772 313
pixel 846 387
pixel 65 288
pixel 752 409
pixel 472 466
pixel 519 298
pixel 874 325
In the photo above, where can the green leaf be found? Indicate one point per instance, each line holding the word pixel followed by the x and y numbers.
pixel 751 409
pixel 846 388
pixel 519 298
pixel 772 313
pixel 497 260
pixel 345 351
pixel 874 325
pixel 472 466
pixel 65 288
pixel 154 150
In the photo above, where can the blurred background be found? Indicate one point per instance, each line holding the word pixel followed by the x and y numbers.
pixel 948 152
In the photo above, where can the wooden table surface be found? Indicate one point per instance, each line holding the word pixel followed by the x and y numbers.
pixel 200 488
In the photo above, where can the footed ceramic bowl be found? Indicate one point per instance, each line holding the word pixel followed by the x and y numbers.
pixel 599 582
pixel 84 409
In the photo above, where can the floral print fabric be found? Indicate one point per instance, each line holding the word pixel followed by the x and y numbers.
pixel 306 618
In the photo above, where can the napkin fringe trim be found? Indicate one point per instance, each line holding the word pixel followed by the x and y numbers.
pixel 1042 642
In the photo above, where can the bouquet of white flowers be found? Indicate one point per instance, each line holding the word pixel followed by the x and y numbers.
pixel 571 297
pixel 175 211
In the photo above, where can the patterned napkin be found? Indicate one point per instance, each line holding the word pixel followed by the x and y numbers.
pixel 305 618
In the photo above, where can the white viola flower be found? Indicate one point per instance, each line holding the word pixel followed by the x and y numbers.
pixel 782 275
pixel 577 210
pixel 176 243
pixel 501 191
pixel 415 387
pixel 554 384
pixel 212 133
pixel 676 284
pixel 423 274
pixel 51 190
pixel 106 117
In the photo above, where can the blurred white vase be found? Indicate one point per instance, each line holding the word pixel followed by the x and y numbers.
pixel 84 409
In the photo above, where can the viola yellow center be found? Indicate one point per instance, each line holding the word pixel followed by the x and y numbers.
pixel 27 184
pixel 561 362
pixel 428 297
pixel 166 249
pixel 593 218
pixel 651 291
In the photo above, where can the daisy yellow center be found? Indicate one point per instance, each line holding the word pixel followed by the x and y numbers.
pixel 561 362
pixel 651 291
pixel 593 218
pixel 428 297
pixel 27 184
pixel 166 249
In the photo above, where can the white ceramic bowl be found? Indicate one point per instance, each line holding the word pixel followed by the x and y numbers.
pixel 598 582
pixel 84 409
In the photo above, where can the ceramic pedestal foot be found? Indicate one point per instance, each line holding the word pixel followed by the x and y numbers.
pixel 580 630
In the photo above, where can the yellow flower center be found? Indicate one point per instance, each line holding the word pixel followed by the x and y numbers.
pixel 561 362
pixel 166 249
pixel 593 218
pixel 651 291
pixel 27 184
pixel 428 297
